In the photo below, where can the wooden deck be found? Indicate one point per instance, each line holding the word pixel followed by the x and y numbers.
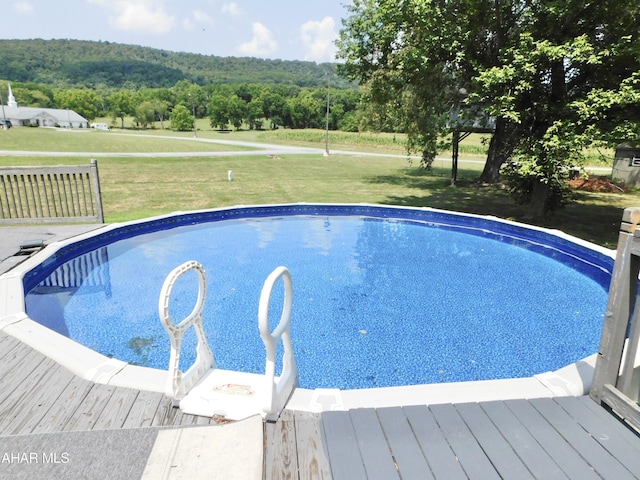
pixel 40 396
pixel 564 437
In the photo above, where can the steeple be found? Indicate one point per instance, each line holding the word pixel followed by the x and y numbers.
pixel 11 100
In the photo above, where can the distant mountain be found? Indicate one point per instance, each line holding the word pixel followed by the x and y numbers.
pixel 77 63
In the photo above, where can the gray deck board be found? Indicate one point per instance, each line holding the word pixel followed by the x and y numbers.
pixel 377 457
pixel 403 445
pixel 619 445
pixel 532 454
pixel 472 458
pixel 342 446
pixel 547 438
pixel 492 442
pixel 442 461
pixel 582 441
pixel 558 449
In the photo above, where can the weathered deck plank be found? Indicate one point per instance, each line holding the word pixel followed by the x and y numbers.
pixel 281 460
pixel 117 409
pixel 89 410
pixel 342 447
pixel 28 411
pixel 472 458
pixel 143 409
pixel 377 458
pixel 492 442
pixel 442 461
pixel 532 454
pixel 313 463
pixel 64 407
pixel 565 437
pixel 582 441
pixel 403 445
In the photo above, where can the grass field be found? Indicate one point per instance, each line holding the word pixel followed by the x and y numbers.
pixel 140 187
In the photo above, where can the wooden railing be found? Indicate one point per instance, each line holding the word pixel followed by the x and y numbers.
pixel 54 194
pixel 616 381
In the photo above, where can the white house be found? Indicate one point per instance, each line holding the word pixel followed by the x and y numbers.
pixel 44 117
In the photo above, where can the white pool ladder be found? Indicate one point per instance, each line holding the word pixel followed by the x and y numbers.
pixel 206 390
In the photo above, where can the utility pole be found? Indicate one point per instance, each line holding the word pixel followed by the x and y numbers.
pixel 4 117
pixel 326 137
pixel 193 109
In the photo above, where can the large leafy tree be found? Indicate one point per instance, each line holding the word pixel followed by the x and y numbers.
pixel 570 80
pixel 121 104
pixel 404 54
pixel 182 119
pixel 557 74
pixel 83 101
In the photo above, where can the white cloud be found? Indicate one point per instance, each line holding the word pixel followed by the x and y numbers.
pixel 261 45
pixel 202 18
pixel 318 39
pixel 23 7
pixel 142 16
pixel 231 8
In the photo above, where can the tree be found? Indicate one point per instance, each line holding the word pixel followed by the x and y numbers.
pixel 83 101
pixel 307 109
pixel 405 55
pixel 182 119
pixel 535 64
pixel 569 81
pixel 121 104
pixel 274 105
pixel 145 114
pixel 32 95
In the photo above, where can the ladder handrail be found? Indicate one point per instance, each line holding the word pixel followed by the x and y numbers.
pixel 279 388
pixel 276 390
pixel 179 383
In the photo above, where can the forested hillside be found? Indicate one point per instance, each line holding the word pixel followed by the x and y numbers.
pixel 76 63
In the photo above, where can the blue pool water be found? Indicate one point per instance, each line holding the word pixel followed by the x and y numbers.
pixel 377 302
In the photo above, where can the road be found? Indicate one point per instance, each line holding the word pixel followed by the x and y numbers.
pixel 260 149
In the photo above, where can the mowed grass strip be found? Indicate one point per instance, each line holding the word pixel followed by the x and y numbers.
pixel 140 187
pixel 89 140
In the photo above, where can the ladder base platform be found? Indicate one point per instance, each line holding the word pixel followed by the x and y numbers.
pixel 229 394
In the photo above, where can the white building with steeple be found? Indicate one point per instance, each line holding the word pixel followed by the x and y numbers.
pixel 42 117
pixel 11 101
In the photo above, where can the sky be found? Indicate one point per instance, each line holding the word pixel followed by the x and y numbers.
pixel 276 29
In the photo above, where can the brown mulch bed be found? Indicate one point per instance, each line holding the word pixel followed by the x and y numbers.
pixel 597 184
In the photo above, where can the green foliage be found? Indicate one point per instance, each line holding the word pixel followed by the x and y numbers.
pixel 145 114
pixel 557 75
pixel 122 103
pixel 181 119
pixel 83 101
pixel 75 63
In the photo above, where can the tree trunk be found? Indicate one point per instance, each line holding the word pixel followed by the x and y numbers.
pixel 499 152
pixel 539 197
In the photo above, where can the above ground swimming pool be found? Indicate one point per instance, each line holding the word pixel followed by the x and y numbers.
pixel 383 296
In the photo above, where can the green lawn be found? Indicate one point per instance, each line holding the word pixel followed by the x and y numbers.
pixel 140 187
